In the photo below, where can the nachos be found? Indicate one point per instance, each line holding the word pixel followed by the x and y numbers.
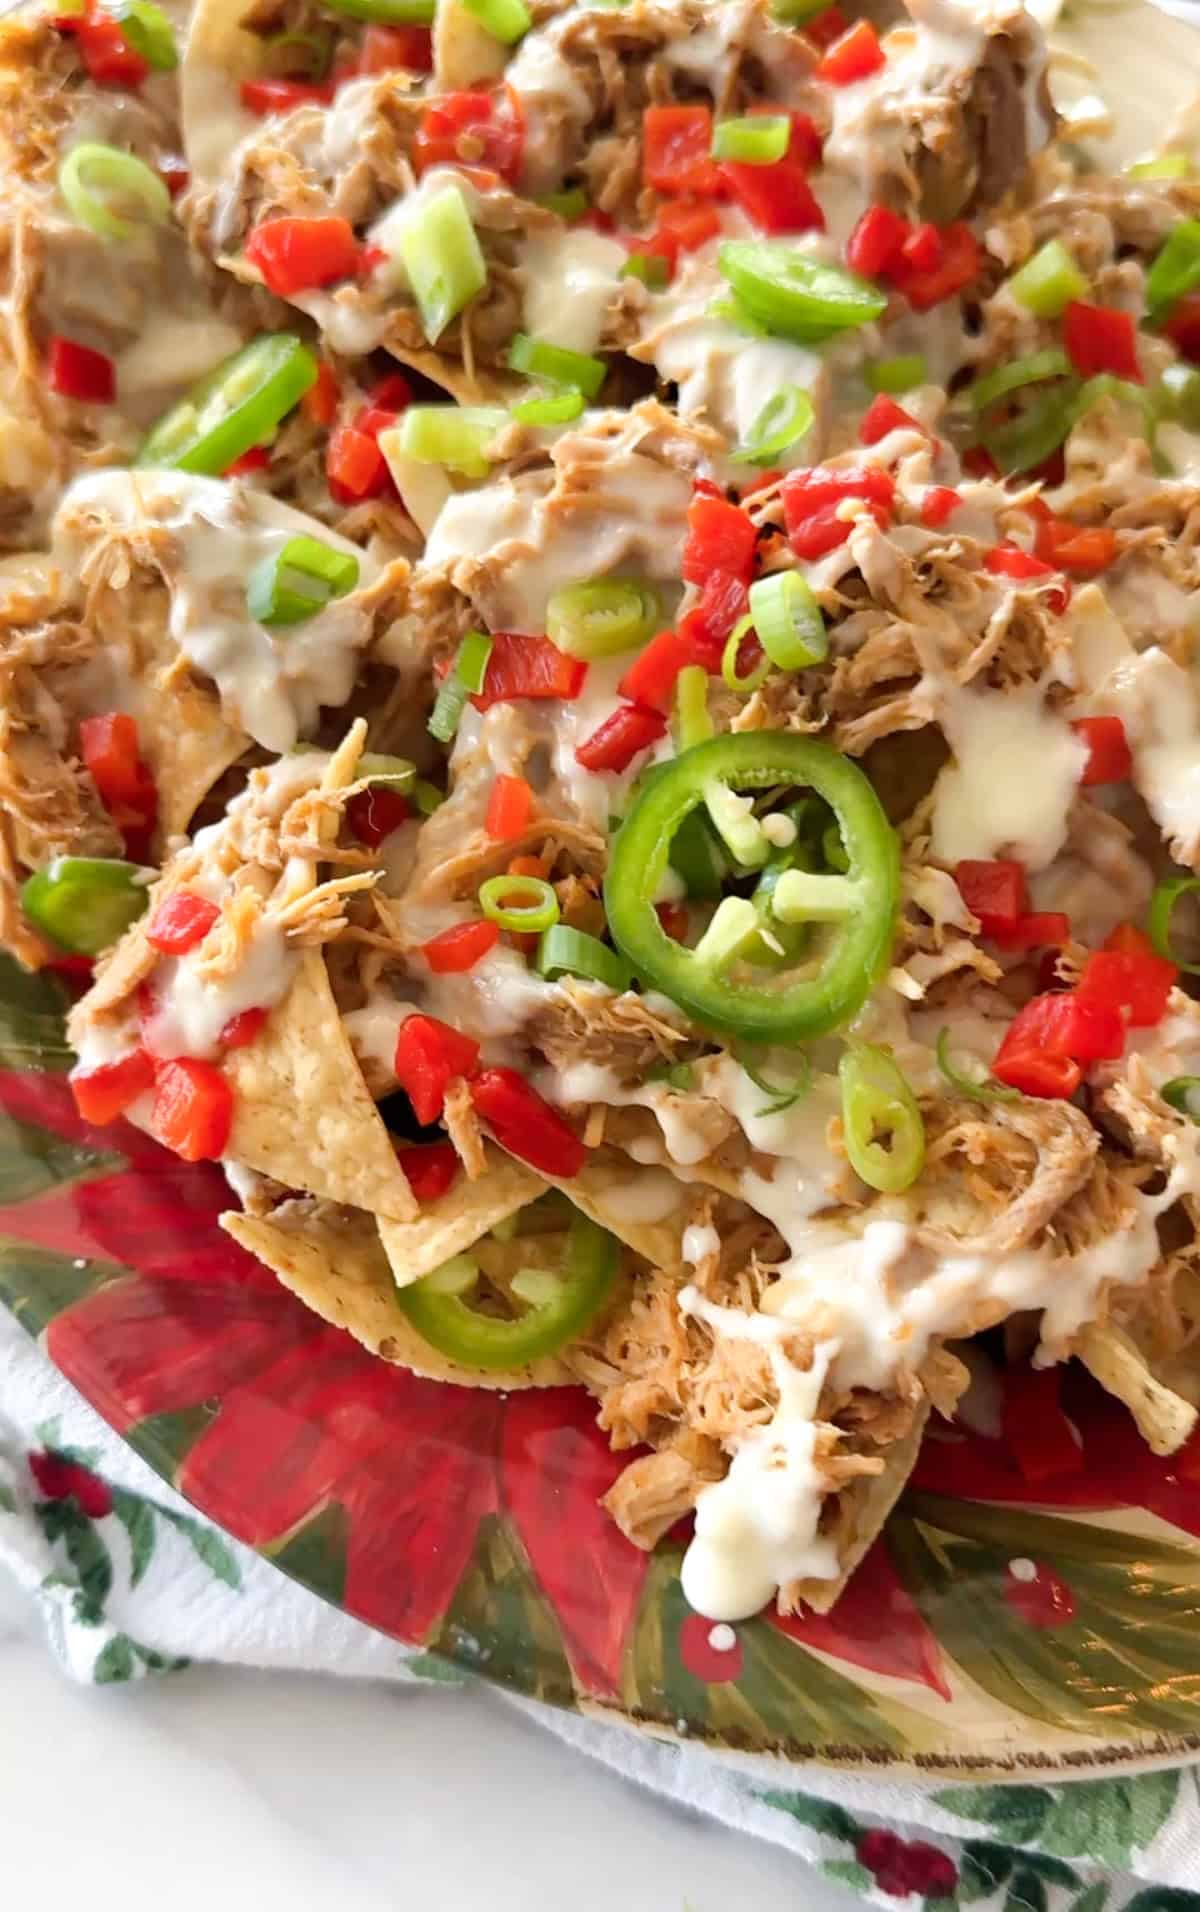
pixel 599 691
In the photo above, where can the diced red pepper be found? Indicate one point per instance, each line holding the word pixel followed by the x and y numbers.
pixel 1050 1078
pixel 1009 561
pixel 683 225
pixel 651 678
pixel 460 948
pixel 826 27
pixel 243 1029
pixel 876 242
pixel 104 1093
pixel 320 401
pixel 1037 1433
pixel 1082 1029
pixel 957 268
pixel 527 666
pixel 430 1055
pixel 75 371
pixel 777 198
pixel 475 128
pixel 1039 929
pixel 811 498
pixel 430 1168
pixel 994 890
pixel 1182 326
pixel 284 96
pixel 173 170
pixel 180 921
pixel 193 1109
pixel 1109 759
pixel 854 57
pixel 258 458
pixel 107 55
pixel 374 813
pixel 882 416
pixel 109 748
pixel 355 468
pixel 938 504
pixel 621 738
pixel 1084 550
pixel 723 600
pixel 384 49
pixel 525 1125
pixel 922 249
pixel 509 808
pixel 1098 339
pixel 1129 973
pixel 293 255
pixel 677 151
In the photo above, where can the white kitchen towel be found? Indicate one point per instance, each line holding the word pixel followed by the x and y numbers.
pixel 130 1581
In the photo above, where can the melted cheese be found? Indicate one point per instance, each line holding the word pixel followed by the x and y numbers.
pixel 1014 777
pixel 571 279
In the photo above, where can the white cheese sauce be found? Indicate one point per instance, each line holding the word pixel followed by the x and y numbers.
pixel 190 1010
pixel 1014 777
pixel 571 279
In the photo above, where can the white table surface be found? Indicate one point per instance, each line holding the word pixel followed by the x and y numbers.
pixel 269 1793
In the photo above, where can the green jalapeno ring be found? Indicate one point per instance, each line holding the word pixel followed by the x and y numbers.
pixel 823 997
pixel 85 903
pixel 234 407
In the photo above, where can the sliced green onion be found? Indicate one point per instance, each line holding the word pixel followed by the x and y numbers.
pixel 472 660
pixel 418 13
pixel 1176 270
pixel 526 904
pixel 93 178
pixel 780 1096
pixel 1047 283
pixel 301 579
pixel 1158 923
pixel 734 923
pixel 737 826
pixel 506 20
pixel 650 267
pixel 794 295
pixel 454 436
pixel 571 203
pixel 147 32
pixel 975 1088
pixel 442 259
pixel 785 418
pixel 881 1123
pixel 692 721
pixel 554 408
pixel 600 617
pixel 1179 393
pixel 464 679
pixel 896 375
pixel 747 685
pixel 1050 363
pixel 572 952
pixel 427 796
pixel 1166 166
pixel 556 365
pixel 84 903
pixel 397 772
pixel 758 140
pixel 795 12
pixel 788 621
pixel 1183 1093
pixel 235 406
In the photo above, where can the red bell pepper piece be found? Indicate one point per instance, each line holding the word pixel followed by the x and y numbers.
pixel 1084 550
pixel 75 371
pixel 677 151
pixel 1037 1433
pixel 527 666
pixel 825 27
pixel 1129 973
pixel 994 890
pixel 173 170
pixel 104 1093
pixel 650 679
pixel 854 57
pixel 1182 327
pixel 384 49
pixel 1082 1029
pixel 720 538
pixel 723 600
pixel 525 1125
pixel 430 1055
pixel 180 921
pixel 922 248
pixel 1050 1078
pixel 938 504
pixel 875 244
pixel 243 1029
pixel 374 813
pixel 482 129
pixel 193 1109
pixel 811 498
pixel 459 948
pixel 355 467
pixel 109 748
pixel 107 55
pixel 284 96
pixel 1038 929
pixel 882 416
pixel 430 1168
pixel 258 458
pixel 957 268
pixel 1009 561
pixel 509 808
pixel 1097 339
pixel 1109 759
pixel 684 225
pixel 320 401
pixel 620 738
pixel 777 198
pixel 293 255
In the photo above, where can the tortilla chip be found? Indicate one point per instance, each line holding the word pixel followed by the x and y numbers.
pixel 459 1217
pixel 465 54
pixel 333 1261
pixel 602 1190
pixel 1164 1419
pixel 302 1112
pixel 861 1512
pixel 479 386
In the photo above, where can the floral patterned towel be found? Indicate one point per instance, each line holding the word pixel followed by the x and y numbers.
pixel 130 1582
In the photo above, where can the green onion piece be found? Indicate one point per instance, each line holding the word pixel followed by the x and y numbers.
pixel 1162 908
pixel 650 267
pixel 1179 394
pixel 554 408
pixel 881 1123
pixel 794 295
pixel 780 1096
pixel 298 581
pixel 747 685
pixel 693 724
pixel 795 12
pixel 806 896
pixel 758 140
pixel 454 436
pixel 443 261
pixel 1166 166
pixel 235 406
pixel 572 952
pixel 397 772
pixel 472 660
pixel 307 56
pixel 1183 1093
pixel 1047 283
pixel 737 826
pixel 896 375
pixel 84 903
pixel 785 418
pixel 427 796
pixel 464 679
pixel 526 904
pixel 506 20
pixel 418 13
pixel 975 1088
pixel 147 32
pixel 834 850
pixel 554 364
pixel 1051 363
pixel 733 312
pixel 1176 270
pixel 93 178
pixel 788 621
pixel 571 203
pixel 600 617
pixel 734 923
pixel 695 856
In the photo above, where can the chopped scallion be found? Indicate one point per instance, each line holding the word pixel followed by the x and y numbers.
pixel 524 904
pixel 1166 166
pixel 896 375
pixel 455 436
pixel 693 724
pixel 1047 283
pixel 788 621
pixel 553 408
pixel 506 20
pixel 975 1088
pixel 95 180
pixel 442 258
pixel 758 140
pixel 755 676
pixel 556 365
pixel 734 923
pixel 572 952
pixel 1176 270
pixel 571 203
pixel 298 581
pixel 464 678
pixel 1183 1093
pixel 601 617
pixel 650 267
pixel 1162 909
pixel 147 32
